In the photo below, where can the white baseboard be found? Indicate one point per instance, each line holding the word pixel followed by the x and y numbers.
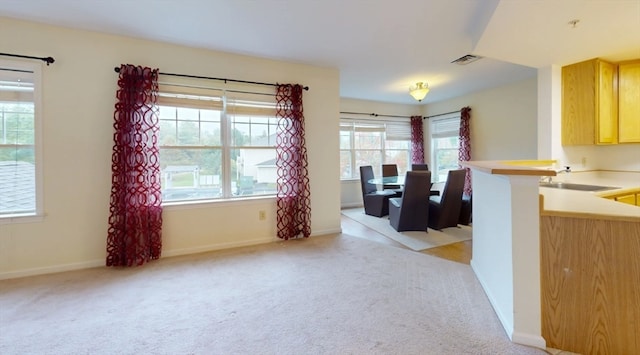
pixel 534 340
pixel 165 253
pixel 506 324
pixel 51 269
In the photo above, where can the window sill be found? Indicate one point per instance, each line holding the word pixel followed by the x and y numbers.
pixel 186 205
pixel 16 219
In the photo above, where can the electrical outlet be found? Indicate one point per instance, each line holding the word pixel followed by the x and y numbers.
pixel 584 162
pixel 262 215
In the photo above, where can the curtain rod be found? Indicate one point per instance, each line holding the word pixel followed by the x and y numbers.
pixel 117 70
pixel 442 114
pixel 374 114
pixel 49 60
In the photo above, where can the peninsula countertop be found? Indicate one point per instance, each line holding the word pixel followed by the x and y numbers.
pixel 585 204
pixel 572 203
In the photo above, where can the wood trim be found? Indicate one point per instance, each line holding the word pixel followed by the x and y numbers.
pixel 508 168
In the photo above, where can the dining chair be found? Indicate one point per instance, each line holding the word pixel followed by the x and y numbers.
pixel 444 210
pixel 423 167
pixel 411 211
pixel 391 170
pixel 417 167
pixel 376 202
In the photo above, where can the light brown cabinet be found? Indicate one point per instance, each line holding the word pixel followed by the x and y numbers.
pixel 590 103
pixel 629 102
pixel 631 197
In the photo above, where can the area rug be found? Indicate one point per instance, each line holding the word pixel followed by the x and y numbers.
pixel 414 240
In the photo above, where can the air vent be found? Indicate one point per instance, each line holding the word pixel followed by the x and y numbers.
pixel 466 59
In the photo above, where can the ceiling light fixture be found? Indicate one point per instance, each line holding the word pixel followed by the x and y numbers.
pixel 419 91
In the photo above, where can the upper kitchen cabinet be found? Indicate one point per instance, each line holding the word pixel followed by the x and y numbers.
pixel 590 103
pixel 629 101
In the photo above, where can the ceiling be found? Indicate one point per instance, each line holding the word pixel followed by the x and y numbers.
pixel 380 47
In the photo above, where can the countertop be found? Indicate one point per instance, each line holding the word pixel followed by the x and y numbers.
pixel 572 203
pixel 585 204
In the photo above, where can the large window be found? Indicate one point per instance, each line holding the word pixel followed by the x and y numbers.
pixel 373 143
pixel 20 177
pixel 216 144
pixel 445 143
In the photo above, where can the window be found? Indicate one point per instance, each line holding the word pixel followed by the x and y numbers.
pixel 216 144
pixel 445 143
pixel 20 171
pixel 373 143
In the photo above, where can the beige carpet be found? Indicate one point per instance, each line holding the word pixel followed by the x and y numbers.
pixel 411 239
pixel 323 295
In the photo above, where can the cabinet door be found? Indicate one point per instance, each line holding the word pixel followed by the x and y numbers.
pixel 629 102
pixel 578 103
pixel 630 199
pixel 607 103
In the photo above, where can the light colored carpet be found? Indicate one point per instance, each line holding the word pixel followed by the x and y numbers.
pixel 415 240
pixel 323 295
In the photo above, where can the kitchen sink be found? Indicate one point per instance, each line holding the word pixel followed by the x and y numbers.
pixel 579 187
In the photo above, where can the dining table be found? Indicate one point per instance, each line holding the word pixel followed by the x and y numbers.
pixel 397 181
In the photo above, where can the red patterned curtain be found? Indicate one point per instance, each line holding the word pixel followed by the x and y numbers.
pixel 464 154
pixel 417 140
pixel 293 192
pixel 135 221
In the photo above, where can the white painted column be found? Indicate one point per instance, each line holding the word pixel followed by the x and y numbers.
pixel 506 251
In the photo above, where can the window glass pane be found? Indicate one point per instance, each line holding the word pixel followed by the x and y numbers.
pixel 446 157
pixel 190 173
pixel 346 165
pixel 254 171
pixel 345 140
pixel 368 140
pixel 17 143
pixel 369 157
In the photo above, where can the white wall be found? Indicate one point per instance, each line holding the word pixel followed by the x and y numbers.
pixel 78 104
pixel 503 120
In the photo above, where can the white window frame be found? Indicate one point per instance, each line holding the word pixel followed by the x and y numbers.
pixel 198 97
pixel 38 214
pixel 390 130
pixel 443 127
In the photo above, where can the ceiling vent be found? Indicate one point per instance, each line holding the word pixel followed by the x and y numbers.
pixel 466 59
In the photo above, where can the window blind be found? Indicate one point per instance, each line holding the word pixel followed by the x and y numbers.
pixel 447 126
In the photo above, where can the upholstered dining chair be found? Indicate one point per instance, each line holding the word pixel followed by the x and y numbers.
pixel 391 170
pixel 423 167
pixel 411 211
pixel 376 202
pixel 444 210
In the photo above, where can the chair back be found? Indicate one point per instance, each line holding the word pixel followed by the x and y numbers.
pixel 412 211
pixel 417 188
pixel 389 170
pixel 451 199
pixel 366 174
pixel 419 167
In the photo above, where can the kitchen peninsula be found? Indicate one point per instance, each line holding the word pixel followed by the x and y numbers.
pixel 560 267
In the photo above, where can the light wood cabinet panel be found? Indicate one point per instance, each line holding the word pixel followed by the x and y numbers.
pixel 589 103
pixel 629 102
pixel 589 276
pixel 630 199
pixel 607 103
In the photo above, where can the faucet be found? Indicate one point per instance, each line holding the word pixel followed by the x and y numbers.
pixel 566 170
